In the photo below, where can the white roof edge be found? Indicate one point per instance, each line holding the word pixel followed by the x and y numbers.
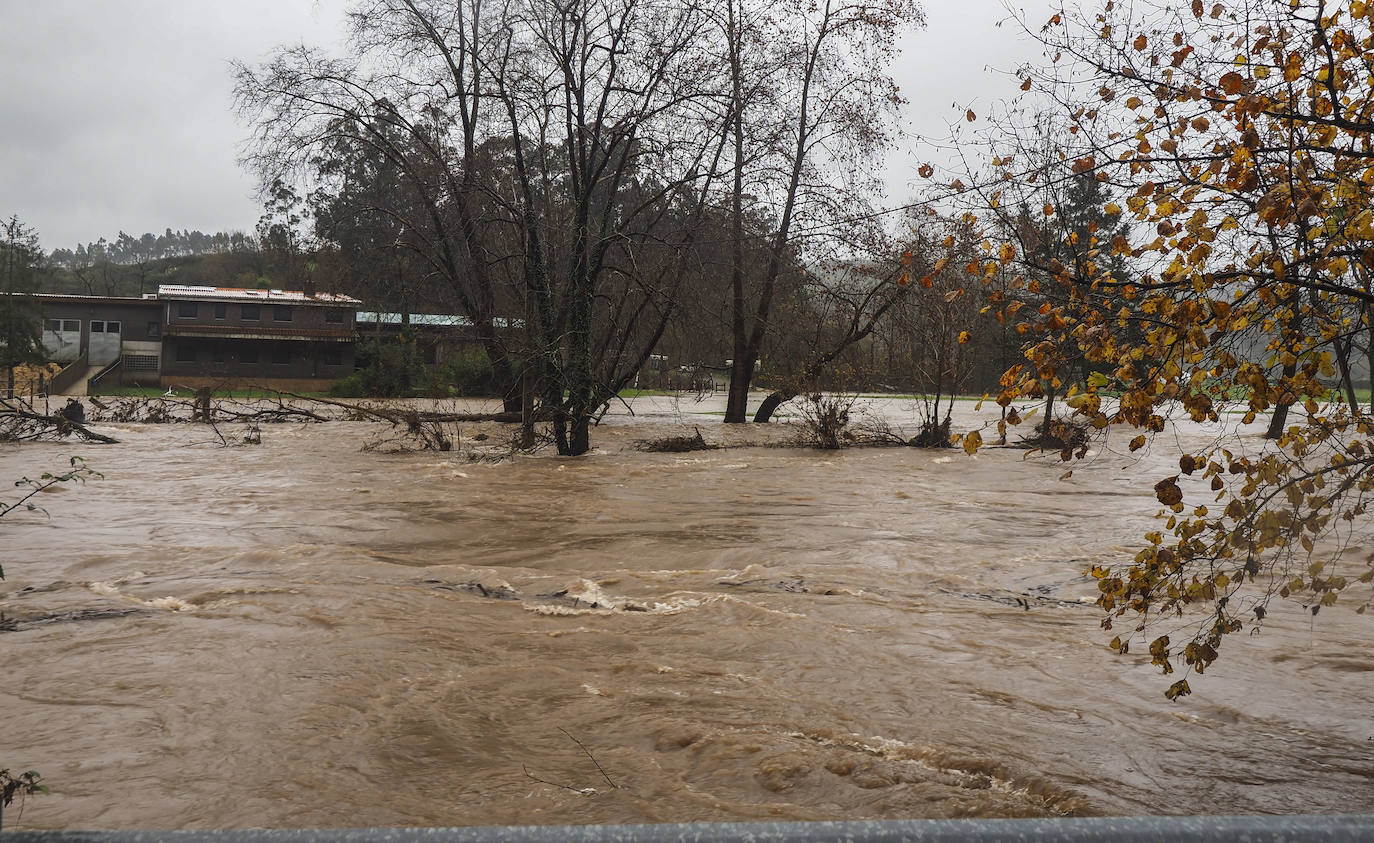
pixel 186 291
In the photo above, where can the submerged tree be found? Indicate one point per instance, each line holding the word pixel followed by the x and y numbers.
pixel 1239 136
pixel 555 163
pixel 554 159
pixel 810 106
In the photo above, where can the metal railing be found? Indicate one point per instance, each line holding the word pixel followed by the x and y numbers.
pixel 98 379
pixel 1269 829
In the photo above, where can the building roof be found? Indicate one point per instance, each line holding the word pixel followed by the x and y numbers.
pixel 76 298
pixel 431 320
pixel 183 291
pixel 259 332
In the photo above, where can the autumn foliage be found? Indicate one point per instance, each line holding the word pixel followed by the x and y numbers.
pixel 1237 141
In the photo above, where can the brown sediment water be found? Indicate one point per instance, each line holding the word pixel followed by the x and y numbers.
pixel 302 633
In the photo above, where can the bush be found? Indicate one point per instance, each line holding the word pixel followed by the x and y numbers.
pixel 826 420
pixel 469 373
pixel 391 371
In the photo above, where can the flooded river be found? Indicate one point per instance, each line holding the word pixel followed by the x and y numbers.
pixel 303 633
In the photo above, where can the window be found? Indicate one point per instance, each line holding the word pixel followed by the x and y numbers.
pixel 431 354
pixel 249 312
pixel 334 315
pixel 71 325
pixel 97 327
pixel 140 363
pixel 281 313
pixel 248 354
pixel 333 355
pixel 221 310
pixel 52 324
pixel 112 327
pixel 217 353
pixel 186 353
pixel 281 354
pixel 187 309
pixel 154 329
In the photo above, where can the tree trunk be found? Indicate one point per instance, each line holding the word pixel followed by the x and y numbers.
pixel 1369 351
pixel 771 404
pixel 1343 362
pixel 1279 421
pixel 527 409
pixel 1046 426
pixel 737 398
pixel 579 442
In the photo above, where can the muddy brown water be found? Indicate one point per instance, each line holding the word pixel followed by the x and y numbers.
pixel 301 633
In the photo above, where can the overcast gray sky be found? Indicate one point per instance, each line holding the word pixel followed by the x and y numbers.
pixel 116 116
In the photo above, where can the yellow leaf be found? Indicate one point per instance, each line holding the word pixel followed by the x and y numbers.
pixel 1292 68
pixel 972 442
pixel 963 337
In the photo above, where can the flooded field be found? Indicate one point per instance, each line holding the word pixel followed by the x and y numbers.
pixel 301 633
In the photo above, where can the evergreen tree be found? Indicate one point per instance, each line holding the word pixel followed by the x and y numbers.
pixel 21 324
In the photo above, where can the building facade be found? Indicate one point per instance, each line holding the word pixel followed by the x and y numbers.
pixel 205 336
pixel 280 339
pixel 98 331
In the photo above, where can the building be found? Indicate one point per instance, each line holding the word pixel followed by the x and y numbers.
pixel 191 337
pixel 438 338
pixel 91 333
pixel 279 339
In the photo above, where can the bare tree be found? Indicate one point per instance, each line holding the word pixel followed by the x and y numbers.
pixel 810 107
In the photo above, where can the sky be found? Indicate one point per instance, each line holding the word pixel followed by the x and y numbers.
pixel 118 116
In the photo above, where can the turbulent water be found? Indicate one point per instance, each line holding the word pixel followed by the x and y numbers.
pixel 303 633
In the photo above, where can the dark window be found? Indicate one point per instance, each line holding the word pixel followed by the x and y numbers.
pixel 154 329
pixel 333 355
pixel 72 325
pixel 248 354
pixel 140 363
pixel 217 353
pixel 187 309
pixel 333 314
pixel 97 327
pixel 221 310
pixel 112 327
pixel 281 353
pixel 186 353
pixel 52 324
pixel 249 312
pixel 281 313
pixel 431 354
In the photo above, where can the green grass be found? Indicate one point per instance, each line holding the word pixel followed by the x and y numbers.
pixel 632 392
